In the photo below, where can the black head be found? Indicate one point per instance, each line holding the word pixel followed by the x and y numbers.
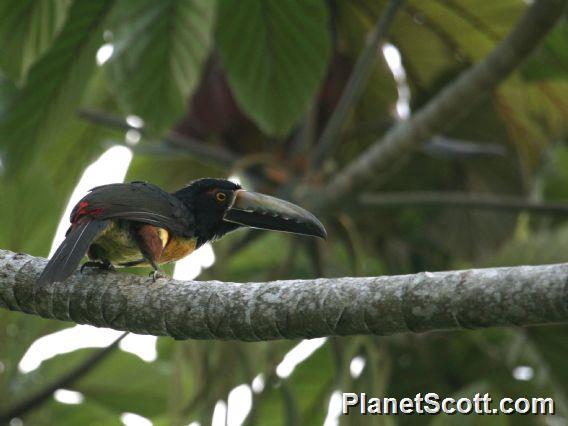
pixel 208 199
pixel 220 206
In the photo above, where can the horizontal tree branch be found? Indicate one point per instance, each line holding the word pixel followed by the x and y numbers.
pixel 474 298
pixel 452 102
pixel 460 199
pixel 174 143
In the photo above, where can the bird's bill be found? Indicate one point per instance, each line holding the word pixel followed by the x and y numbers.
pixel 265 212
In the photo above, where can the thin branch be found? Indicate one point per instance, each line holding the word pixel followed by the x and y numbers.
pixel 174 143
pixel 451 148
pixel 438 146
pixel 355 84
pixel 291 309
pixel 40 397
pixel 453 101
pixel 460 199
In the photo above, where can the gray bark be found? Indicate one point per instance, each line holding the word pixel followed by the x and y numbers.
pixel 451 103
pixel 474 298
pixel 356 82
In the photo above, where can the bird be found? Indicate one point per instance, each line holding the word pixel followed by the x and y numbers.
pixel 140 224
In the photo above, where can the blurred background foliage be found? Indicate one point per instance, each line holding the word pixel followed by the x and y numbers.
pixel 245 88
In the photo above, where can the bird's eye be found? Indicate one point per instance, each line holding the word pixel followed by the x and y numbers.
pixel 220 196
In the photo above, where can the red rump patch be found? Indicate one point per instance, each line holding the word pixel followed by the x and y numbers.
pixel 84 210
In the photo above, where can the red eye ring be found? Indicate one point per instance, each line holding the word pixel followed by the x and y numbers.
pixel 220 196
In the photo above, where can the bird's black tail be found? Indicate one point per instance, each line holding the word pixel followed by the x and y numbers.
pixel 69 254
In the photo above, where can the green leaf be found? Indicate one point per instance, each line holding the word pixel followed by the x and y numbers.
pixel 121 383
pixel 17 333
pixel 40 112
pixel 312 384
pixel 551 60
pixel 439 37
pixel 87 413
pixel 550 347
pixel 553 180
pixel 275 55
pixel 27 28
pixel 542 247
pixel 49 178
pixel 8 91
pixel 160 48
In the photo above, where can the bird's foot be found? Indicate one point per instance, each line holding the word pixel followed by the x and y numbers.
pixel 106 266
pixel 156 274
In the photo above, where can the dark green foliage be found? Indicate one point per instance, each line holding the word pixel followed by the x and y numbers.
pixel 159 54
pixel 259 79
pixel 553 55
pixel 275 55
pixel 54 87
pixel 27 29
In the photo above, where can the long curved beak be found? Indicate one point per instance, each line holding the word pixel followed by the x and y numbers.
pixel 265 212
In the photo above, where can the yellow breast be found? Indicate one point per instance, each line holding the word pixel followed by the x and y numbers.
pixel 177 248
pixel 116 244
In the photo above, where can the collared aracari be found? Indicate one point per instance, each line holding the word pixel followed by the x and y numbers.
pixel 139 224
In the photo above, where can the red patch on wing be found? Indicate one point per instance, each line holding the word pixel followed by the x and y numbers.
pixel 84 210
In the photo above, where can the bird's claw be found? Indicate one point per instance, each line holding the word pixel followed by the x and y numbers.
pixel 156 275
pixel 97 265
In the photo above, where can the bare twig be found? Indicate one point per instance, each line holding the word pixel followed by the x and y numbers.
pixel 444 147
pixel 453 101
pixel 174 143
pixel 40 397
pixel 460 199
pixel 355 84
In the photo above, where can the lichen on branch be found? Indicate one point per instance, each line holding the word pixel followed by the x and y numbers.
pixel 474 298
